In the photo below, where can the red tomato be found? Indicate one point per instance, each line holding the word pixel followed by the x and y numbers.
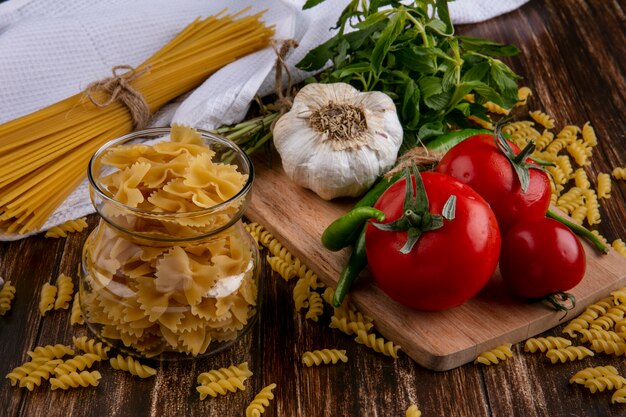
pixel 541 257
pixel 479 163
pixel 447 266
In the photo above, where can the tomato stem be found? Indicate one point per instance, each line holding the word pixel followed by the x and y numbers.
pixel 416 218
pixel 562 301
pixel 525 153
pixel 579 230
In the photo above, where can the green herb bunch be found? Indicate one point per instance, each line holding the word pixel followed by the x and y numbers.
pixel 410 52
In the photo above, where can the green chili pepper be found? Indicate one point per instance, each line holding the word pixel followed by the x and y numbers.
pixel 343 231
pixel 579 230
pixel 356 263
pixel 443 143
pixel 374 193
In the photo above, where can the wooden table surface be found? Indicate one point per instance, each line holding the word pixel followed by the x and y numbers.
pixel 573 58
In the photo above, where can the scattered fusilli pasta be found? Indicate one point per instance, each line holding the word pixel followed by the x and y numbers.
pixel 65 291
pixel 543 344
pixel 75 380
pixel 542 118
pixel 495 355
pixel 378 344
pixel 568 353
pixel 76 317
pixel 7 293
pixel 260 401
pixel 413 411
pixel 324 356
pixel 91 346
pixel 133 366
pixel 48 296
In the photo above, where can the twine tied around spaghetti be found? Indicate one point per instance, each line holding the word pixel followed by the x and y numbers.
pixel 283 102
pixel 119 88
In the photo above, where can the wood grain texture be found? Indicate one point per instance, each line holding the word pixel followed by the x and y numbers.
pixel 574 61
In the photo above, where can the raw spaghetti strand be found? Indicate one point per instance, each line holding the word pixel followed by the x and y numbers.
pixel 44 155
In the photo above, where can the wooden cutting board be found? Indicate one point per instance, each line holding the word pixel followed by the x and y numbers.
pixel 436 340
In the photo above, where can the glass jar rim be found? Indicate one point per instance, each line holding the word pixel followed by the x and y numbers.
pixel 164 131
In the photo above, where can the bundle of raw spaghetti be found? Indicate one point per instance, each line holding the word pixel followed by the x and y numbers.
pixel 44 155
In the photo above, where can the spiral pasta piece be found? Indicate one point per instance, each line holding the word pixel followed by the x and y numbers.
pixel 48 295
pixel 544 344
pixel 77 363
pixel 619 173
pixel 557 145
pixel 42 372
pixel 510 128
pixel 568 353
pixel 284 269
pixel 593 207
pixel 604 185
pixel 24 369
pixel 7 294
pixel 589 135
pixel 413 411
pixel 581 180
pixel 316 306
pixel 70 226
pixel 592 334
pixel 619 296
pixel 324 356
pixel 579 152
pixel 586 374
pixel 240 371
pixel 485 124
pixel 619 396
pixel 523 93
pixel 260 401
pixel 618 245
pixel 570 132
pixel 570 200
pixel 542 118
pixel 601 306
pixel 50 351
pixel 131 365
pixel 65 292
pixel 608 382
pixel 579 214
pixel 609 347
pixel 91 346
pixel 301 293
pixel 496 108
pixel 544 140
pixel 495 355
pixel 220 387
pixel 378 344
pixel 75 380
pixel 581 322
pixel 349 327
pixel 76 317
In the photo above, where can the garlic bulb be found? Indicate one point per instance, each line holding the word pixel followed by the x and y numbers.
pixel 336 140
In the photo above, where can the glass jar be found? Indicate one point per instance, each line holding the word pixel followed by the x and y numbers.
pixel 157 282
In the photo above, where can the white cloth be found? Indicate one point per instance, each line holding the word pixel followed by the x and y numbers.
pixel 50 50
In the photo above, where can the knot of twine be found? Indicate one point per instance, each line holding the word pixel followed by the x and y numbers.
pixel 118 87
pixel 283 102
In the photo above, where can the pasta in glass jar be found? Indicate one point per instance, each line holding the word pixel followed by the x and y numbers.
pixel 170 268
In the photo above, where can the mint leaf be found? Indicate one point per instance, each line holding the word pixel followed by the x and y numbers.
pixel 387 37
pixel 430 86
pixel 487 47
pixel 311 3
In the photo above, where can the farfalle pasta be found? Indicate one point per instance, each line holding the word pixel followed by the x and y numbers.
pixel 178 271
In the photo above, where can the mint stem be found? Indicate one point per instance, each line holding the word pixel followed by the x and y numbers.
pixel 579 230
